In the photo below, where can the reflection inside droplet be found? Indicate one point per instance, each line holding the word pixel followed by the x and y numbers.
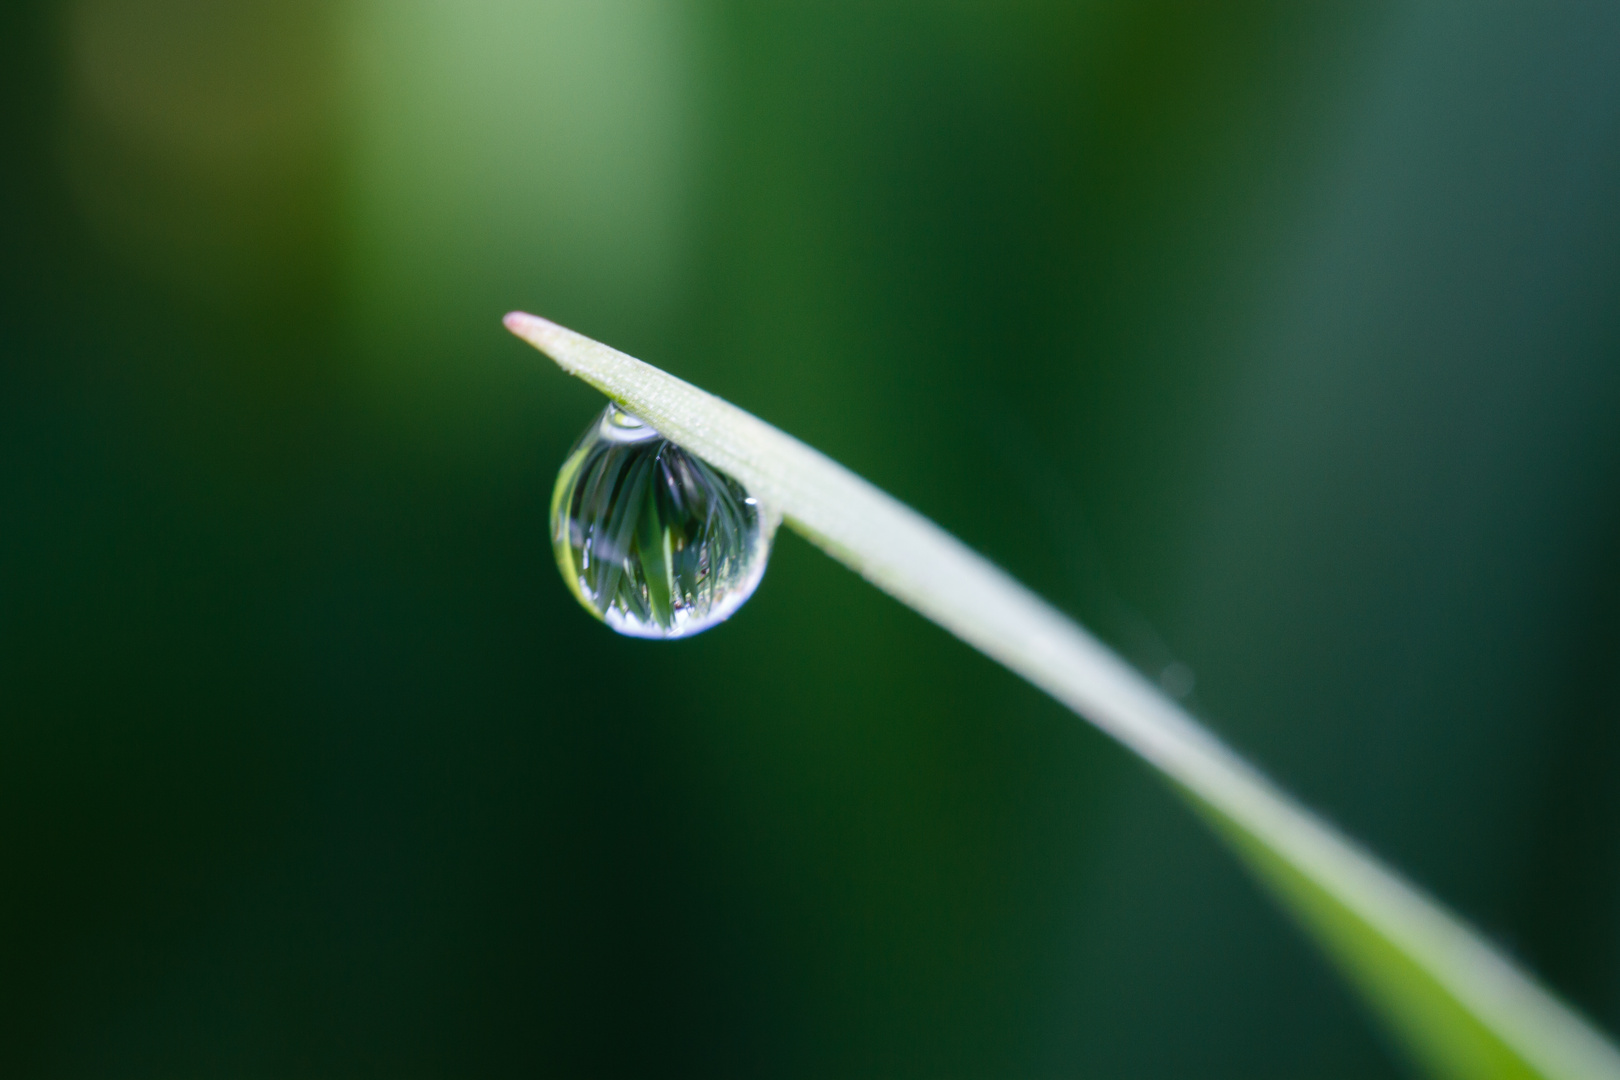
pixel 653 540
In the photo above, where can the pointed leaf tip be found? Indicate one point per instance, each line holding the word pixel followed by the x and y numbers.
pixel 525 325
pixel 543 334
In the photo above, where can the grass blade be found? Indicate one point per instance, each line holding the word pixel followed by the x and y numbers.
pixel 1460 1005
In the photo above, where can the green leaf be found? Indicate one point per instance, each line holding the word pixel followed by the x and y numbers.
pixel 1462 1007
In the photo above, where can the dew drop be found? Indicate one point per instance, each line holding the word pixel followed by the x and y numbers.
pixel 653 540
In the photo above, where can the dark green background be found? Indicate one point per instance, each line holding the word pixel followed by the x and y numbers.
pixel 1278 340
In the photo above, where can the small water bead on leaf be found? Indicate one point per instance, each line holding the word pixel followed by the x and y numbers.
pixel 653 540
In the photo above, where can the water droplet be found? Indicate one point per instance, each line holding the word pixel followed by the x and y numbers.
pixel 1177 679
pixel 653 540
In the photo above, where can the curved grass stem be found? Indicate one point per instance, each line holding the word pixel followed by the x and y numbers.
pixel 1462 1007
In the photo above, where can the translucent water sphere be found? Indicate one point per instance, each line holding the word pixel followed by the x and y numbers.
pixel 654 541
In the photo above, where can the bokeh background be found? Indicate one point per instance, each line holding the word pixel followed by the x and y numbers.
pixel 1279 342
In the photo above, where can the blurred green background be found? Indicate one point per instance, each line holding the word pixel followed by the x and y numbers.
pixel 1279 342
